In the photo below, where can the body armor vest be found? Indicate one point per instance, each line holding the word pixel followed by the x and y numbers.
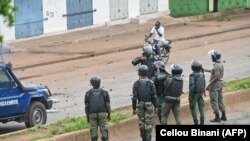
pixel 175 88
pixel 97 102
pixel 200 83
pixel 144 90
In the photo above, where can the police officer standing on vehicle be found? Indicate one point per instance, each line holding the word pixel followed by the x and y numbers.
pixel 197 84
pixel 215 86
pixel 172 93
pixel 158 79
pixel 97 108
pixel 147 59
pixel 143 102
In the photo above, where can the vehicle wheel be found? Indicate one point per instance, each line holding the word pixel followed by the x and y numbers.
pixel 36 115
pixel 165 55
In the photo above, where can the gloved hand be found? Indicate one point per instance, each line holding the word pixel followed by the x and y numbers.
pixel 109 117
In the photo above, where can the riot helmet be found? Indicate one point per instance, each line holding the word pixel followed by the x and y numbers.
pixel 147 49
pixel 176 69
pixel 160 64
pixel 143 71
pixel 216 55
pixel 196 65
pixel 95 81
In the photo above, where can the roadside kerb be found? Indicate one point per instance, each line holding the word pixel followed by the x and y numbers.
pixel 128 129
pixel 126 48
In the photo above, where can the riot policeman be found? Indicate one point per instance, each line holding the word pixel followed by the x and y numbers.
pixel 143 101
pixel 97 108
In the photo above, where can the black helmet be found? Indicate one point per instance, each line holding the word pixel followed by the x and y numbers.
pixel 160 64
pixel 95 81
pixel 176 69
pixel 147 49
pixel 196 65
pixel 143 71
pixel 216 55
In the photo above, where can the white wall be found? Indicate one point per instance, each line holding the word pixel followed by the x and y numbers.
pixel 133 8
pixel 53 10
pixel 101 16
pixel 163 5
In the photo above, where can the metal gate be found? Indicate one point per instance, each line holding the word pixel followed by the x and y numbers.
pixel 148 6
pixel 28 18
pixel 79 13
pixel 118 9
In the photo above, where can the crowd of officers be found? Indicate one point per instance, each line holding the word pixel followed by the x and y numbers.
pixel 157 91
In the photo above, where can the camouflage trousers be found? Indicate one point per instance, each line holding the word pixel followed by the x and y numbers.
pixel 145 115
pixel 197 98
pixel 98 120
pixel 160 99
pixel 216 100
pixel 166 108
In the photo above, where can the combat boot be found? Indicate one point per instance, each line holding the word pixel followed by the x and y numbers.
pixel 195 122
pixel 143 134
pixel 217 118
pixel 93 138
pixel 147 135
pixel 104 139
pixel 223 116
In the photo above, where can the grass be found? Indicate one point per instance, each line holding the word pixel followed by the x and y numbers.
pixel 69 124
pixel 238 84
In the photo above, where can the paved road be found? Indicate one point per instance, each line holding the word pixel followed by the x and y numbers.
pixel 70 80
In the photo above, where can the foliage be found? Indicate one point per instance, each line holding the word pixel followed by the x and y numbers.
pixel 7 11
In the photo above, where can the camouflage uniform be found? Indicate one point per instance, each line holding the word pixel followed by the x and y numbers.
pixel 144 98
pixel 171 101
pixel 148 62
pixel 98 110
pixel 215 92
pixel 159 85
pixel 196 91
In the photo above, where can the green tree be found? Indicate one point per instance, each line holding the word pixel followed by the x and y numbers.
pixel 7 12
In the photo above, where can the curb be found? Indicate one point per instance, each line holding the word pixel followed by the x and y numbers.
pixel 122 130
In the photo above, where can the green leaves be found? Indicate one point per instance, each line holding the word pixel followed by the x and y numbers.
pixel 7 12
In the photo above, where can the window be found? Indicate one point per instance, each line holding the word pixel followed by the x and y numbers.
pixel 4 80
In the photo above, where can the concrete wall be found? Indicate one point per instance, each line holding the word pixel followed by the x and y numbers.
pixel 101 16
pixel 163 5
pixel 7 32
pixel 53 10
pixel 133 8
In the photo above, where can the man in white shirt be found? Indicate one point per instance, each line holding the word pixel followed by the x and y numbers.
pixel 158 32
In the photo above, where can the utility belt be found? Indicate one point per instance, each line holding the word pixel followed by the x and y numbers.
pixel 172 98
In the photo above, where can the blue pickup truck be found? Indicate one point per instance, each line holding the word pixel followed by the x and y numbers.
pixel 22 102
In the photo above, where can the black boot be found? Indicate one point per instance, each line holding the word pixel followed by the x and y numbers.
pixel 147 135
pixel 195 122
pixel 93 138
pixel 143 134
pixel 104 139
pixel 217 118
pixel 223 116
